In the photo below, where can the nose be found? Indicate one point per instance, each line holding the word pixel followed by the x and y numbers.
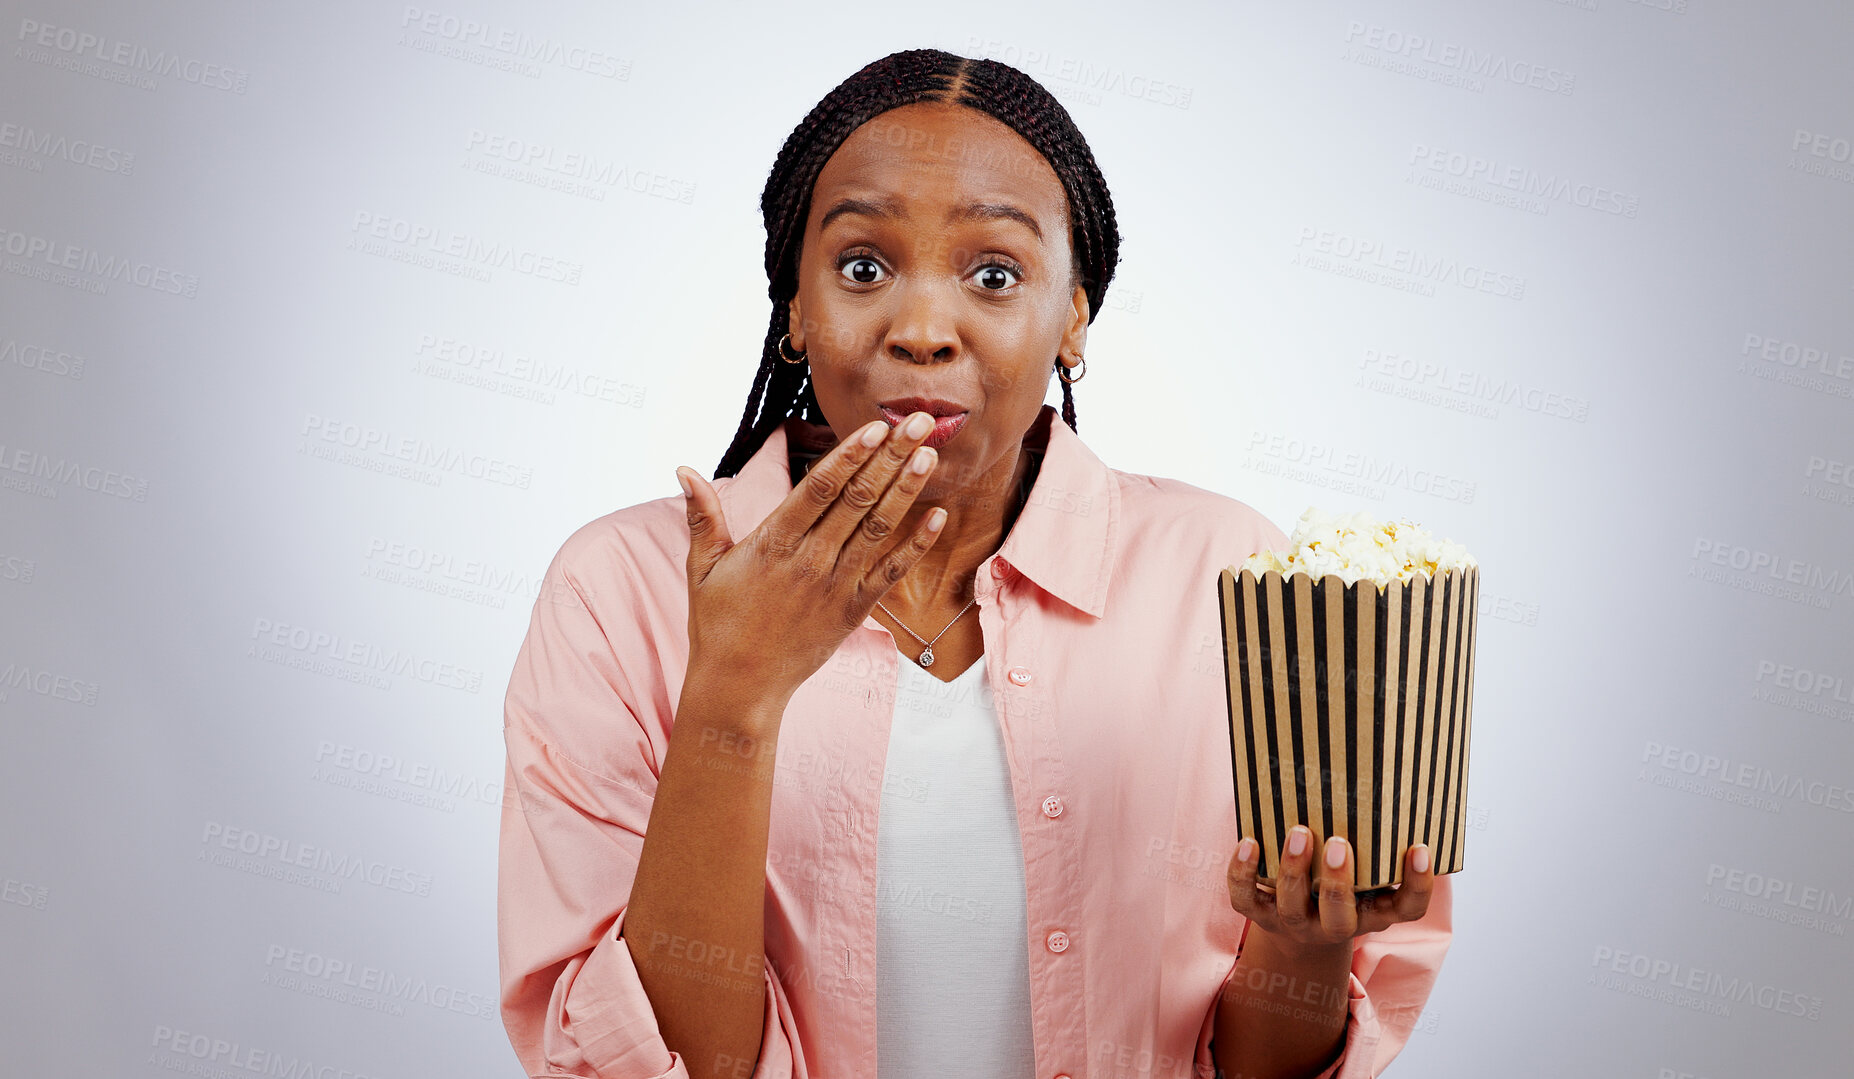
pixel 922 330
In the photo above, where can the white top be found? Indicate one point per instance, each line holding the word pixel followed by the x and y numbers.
pixel 952 960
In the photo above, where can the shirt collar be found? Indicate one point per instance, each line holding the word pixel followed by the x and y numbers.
pixel 1063 540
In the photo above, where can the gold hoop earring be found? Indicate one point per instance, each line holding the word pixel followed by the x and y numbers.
pixel 781 347
pixel 1062 370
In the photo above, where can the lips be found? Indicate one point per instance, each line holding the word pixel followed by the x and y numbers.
pixel 933 406
pixel 949 416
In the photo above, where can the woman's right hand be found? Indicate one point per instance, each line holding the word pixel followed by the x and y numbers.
pixel 768 611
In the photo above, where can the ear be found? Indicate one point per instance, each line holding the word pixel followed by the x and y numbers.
pixel 795 324
pixel 1075 335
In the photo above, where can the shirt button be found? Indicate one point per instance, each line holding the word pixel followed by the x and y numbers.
pixel 1062 1075
pixel 1057 941
pixel 1019 676
pixel 1052 806
pixel 1000 568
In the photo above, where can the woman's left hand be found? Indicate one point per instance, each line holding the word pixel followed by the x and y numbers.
pixel 1313 905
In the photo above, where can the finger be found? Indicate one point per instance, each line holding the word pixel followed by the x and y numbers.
pixel 1402 903
pixel 879 524
pixel 1292 891
pixel 709 537
pixel 863 491
pixel 1338 909
pixel 792 520
pixel 899 561
pixel 1246 899
pixel 1411 900
pixel 1375 910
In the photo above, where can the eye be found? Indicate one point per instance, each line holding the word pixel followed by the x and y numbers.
pixel 996 276
pixel 860 269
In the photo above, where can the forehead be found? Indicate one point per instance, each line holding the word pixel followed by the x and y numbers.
pixel 936 150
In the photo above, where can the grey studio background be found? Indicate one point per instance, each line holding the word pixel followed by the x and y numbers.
pixel 322 326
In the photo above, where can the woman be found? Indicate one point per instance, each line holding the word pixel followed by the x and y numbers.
pixel 962 625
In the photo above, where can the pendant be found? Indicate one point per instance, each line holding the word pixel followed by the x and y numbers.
pixel 927 658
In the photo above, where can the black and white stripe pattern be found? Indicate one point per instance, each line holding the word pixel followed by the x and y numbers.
pixel 1349 712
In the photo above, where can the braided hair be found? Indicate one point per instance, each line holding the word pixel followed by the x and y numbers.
pixel 780 389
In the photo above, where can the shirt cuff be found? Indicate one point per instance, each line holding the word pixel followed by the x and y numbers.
pixel 611 1019
pixel 1358 1049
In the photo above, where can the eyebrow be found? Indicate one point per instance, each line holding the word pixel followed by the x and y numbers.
pixel 998 211
pixel 972 211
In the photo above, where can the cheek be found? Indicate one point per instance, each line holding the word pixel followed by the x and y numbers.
pixel 840 324
pixel 1026 341
pixel 1023 378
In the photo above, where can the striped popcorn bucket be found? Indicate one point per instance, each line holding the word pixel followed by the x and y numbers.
pixel 1349 713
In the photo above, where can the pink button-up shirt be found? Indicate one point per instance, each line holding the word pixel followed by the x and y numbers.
pixel 1102 641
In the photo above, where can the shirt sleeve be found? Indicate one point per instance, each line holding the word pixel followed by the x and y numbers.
pixel 1393 971
pixel 579 782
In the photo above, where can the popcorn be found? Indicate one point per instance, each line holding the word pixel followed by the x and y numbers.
pixel 1356 546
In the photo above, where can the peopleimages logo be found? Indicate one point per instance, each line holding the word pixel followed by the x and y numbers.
pixel 18 462
pixel 1748 777
pixel 1350 255
pixel 450 566
pixel 1804 690
pixel 498 369
pixel 15 136
pixel 280 853
pixel 1780 571
pixel 1819 154
pixel 46 683
pixel 1828 480
pixel 1523 182
pixel 1803 897
pixel 410 458
pixel 514 47
pixel 1448 62
pixel 1356 473
pixel 1692 987
pixel 46 358
pixel 1804 680
pixel 1811 367
pixel 435 247
pixel 312 649
pixel 213 1056
pixel 19 893
pixel 1461 389
pixel 1083 74
pixel 571 171
pixel 59 262
pixel 419 775
pixel 79 46
pixel 368 986
pixel 1802 357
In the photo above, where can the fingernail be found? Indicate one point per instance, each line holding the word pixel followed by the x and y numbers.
pixel 921 461
pixel 1335 852
pixel 872 434
pixel 1245 850
pixel 688 491
pixel 1420 860
pixel 936 519
pixel 919 424
pixel 1297 841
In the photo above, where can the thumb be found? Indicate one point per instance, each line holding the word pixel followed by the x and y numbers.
pixel 708 534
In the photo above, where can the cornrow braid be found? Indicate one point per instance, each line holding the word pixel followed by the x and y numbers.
pixel 780 389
